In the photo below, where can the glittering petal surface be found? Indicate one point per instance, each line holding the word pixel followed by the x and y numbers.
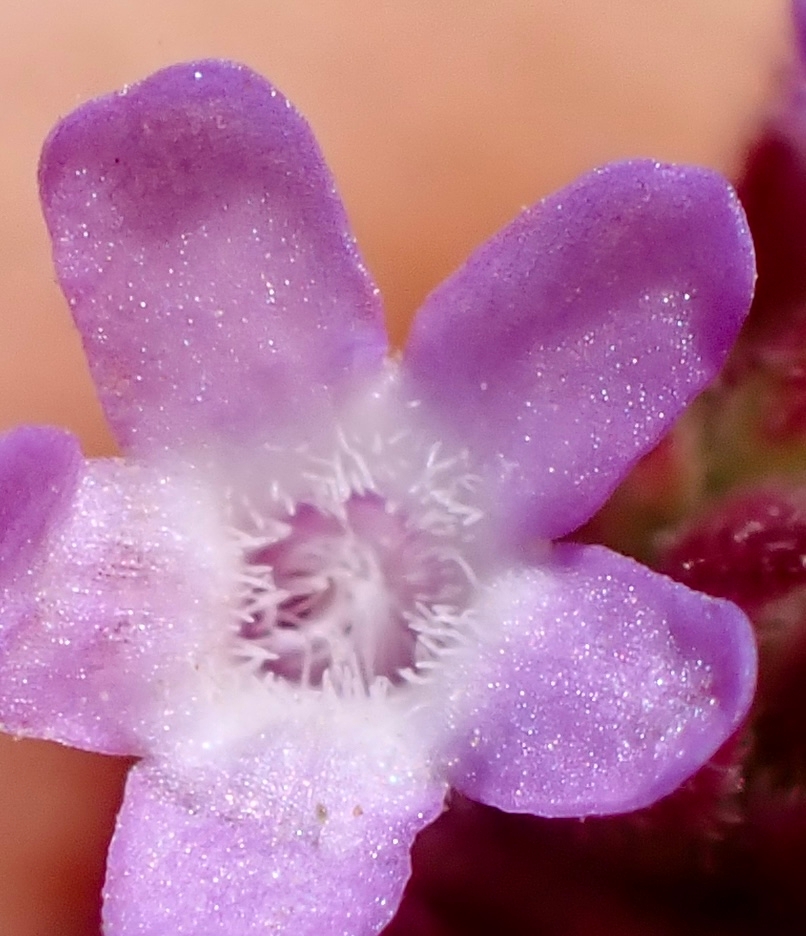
pixel 206 257
pixel 569 342
pixel 281 600
pixel 108 630
pixel 298 841
pixel 39 471
pixel 606 687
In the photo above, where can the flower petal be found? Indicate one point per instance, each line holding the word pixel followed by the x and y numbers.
pixel 606 686
pixel 106 629
pixel 39 469
pixel 206 257
pixel 288 842
pixel 569 342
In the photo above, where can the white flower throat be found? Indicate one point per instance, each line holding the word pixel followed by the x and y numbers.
pixel 358 575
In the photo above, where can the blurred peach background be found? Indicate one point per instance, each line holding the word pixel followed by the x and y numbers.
pixel 440 119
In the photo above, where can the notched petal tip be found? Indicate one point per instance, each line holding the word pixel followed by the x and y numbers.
pixel 144 137
pixel 39 470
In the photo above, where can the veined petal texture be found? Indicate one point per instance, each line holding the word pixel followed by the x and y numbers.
pixel 109 632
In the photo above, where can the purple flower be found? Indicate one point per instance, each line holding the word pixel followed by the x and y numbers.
pixel 320 588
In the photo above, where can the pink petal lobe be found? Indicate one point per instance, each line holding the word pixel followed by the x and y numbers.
pixel 206 257
pixel 607 686
pixel 570 341
pixel 294 843
pixel 39 470
pixel 103 629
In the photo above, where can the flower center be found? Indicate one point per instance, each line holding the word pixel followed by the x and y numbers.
pixel 351 599
pixel 361 585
